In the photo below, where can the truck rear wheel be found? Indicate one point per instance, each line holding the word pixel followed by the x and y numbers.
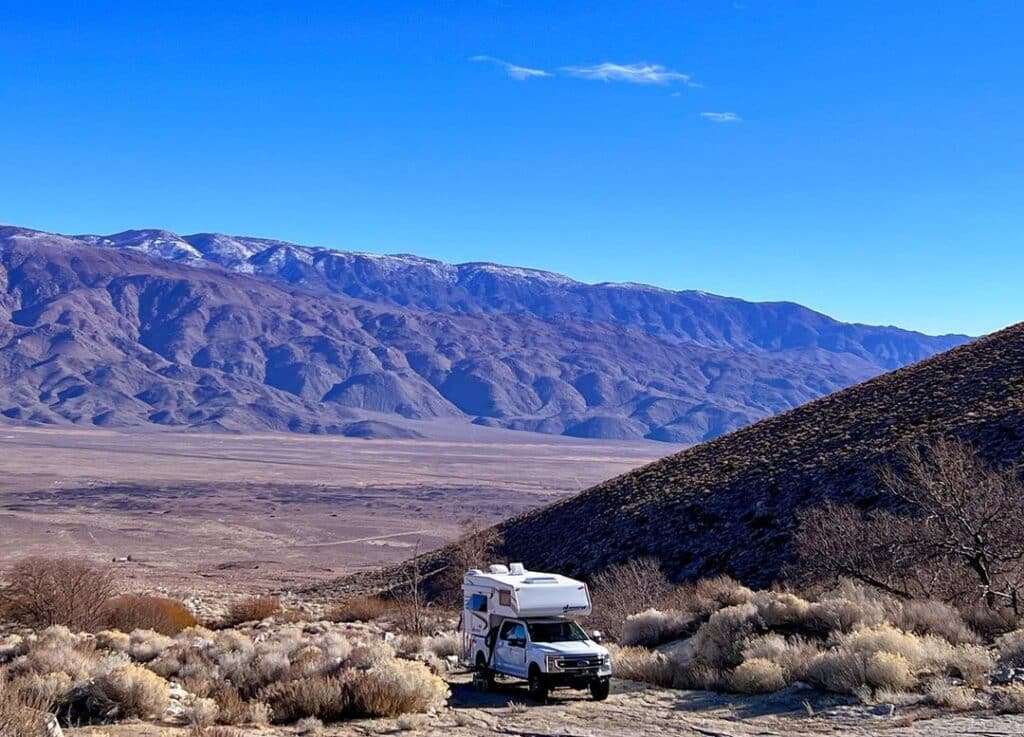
pixel 483 678
pixel 538 685
pixel 599 688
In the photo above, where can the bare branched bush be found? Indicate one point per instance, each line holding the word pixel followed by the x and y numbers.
pixel 627 588
pixel 476 547
pixel 954 531
pixel 41 592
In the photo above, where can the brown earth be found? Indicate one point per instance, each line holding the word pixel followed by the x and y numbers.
pixel 234 512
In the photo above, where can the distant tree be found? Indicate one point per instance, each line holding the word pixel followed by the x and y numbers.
pixel 475 548
pixel 41 592
pixel 955 530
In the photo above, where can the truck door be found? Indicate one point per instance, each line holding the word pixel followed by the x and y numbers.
pixel 510 650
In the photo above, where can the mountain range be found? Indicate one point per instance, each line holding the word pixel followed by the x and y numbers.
pixel 214 332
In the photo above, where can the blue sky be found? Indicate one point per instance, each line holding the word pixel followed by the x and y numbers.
pixel 875 172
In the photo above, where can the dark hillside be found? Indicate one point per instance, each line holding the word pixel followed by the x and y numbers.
pixel 728 506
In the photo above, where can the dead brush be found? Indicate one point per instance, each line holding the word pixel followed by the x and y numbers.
pixel 252 609
pixel 361 609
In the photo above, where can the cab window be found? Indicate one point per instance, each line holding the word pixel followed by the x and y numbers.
pixel 514 632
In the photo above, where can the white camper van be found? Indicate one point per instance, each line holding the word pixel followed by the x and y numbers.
pixel 521 624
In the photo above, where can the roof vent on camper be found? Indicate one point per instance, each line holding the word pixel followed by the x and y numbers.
pixel 498 568
pixel 517 569
pixel 474 572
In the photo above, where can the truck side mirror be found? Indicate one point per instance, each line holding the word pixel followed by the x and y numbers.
pixel 596 636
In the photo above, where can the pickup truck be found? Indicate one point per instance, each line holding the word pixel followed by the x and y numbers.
pixel 548 653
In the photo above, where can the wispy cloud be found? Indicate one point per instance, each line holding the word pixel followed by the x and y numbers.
pixel 513 70
pixel 722 117
pixel 639 73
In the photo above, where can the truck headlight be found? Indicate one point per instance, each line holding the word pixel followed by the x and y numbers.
pixel 551 661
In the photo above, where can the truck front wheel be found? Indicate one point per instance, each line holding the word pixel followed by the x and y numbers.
pixel 599 688
pixel 538 685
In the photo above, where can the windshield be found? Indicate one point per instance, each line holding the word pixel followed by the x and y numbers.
pixel 556 632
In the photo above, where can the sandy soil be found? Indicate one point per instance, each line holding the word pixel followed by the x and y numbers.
pixel 239 513
pixel 634 710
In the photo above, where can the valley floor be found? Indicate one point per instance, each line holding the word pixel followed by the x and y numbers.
pixel 260 512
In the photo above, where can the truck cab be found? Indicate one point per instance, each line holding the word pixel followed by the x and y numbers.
pixel 516 624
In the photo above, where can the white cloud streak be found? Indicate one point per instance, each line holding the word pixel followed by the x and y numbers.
pixel 513 70
pixel 639 73
pixel 722 117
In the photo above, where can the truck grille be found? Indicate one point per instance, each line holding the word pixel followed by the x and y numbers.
pixel 570 663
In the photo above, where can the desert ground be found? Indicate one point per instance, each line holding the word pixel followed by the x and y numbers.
pixel 636 710
pixel 233 513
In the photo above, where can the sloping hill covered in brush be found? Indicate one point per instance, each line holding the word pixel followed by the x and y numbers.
pixel 729 505
pixel 241 334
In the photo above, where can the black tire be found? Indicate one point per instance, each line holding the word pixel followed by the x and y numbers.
pixel 539 687
pixel 599 688
pixel 483 678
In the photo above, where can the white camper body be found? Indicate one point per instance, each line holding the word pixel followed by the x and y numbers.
pixel 521 624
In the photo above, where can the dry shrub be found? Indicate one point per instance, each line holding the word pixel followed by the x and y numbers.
pixel 845 608
pixel 396 687
pixel 20 715
pixel 408 646
pixel 138 612
pixel 252 609
pixel 57 651
pixel 1009 699
pixel 361 609
pixel 128 691
pixel 444 646
pixel 11 647
pixel 972 663
pixel 1011 649
pixel 781 610
pixel 955 698
pixel 641 664
pixel 231 707
pixel 792 655
pixel 44 689
pixel 326 698
pixel 719 642
pixel 890 671
pixel 309 727
pixel 929 617
pixel 757 675
pixel 202 712
pixel 41 592
pixel 653 627
pixel 145 645
pixel 113 640
pixel 712 594
pixel 837 671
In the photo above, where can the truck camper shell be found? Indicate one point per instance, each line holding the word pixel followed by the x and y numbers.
pixel 517 593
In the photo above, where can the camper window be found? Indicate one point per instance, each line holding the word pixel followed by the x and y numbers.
pixel 477 603
pixel 505 598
